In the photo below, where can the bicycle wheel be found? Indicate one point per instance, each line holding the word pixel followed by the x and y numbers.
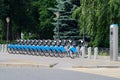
pixel 56 54
pixel 46 53
pixel 72 55
pixel 9 50
pixel 41 53
pixel 51 53
pixel 61 54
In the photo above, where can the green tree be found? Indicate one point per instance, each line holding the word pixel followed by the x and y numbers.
pixel 45 29
pixel 65 26
pixel 4 11
pixel 27 16
pixel 95 17
pixel 21 15
pixel 115 13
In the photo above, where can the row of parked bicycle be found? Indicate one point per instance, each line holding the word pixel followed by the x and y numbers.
pixel 53 48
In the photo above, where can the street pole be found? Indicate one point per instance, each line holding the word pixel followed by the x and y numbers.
pixel 58 33
pixel 7 20
pixel 7 32
pixel 58 29
pixel 84 33
pixel 83 13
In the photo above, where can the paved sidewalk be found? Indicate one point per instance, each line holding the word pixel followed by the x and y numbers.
pixel 42 61
pixel 101 66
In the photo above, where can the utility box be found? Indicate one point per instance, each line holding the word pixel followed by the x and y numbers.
pixel 114 42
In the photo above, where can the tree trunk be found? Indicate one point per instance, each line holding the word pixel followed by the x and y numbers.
pixel 19 33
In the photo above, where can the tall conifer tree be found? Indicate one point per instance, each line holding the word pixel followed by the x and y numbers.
pixel 66 27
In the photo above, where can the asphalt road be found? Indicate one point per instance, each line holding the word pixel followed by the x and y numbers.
pixel 12 73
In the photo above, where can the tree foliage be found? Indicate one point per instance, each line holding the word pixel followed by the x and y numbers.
pixel 65 26
pixel 27 16
pixel 32 16
pixel 45 18
pixel 95 16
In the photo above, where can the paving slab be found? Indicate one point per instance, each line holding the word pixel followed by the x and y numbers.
pixel 100 66
pixel 38 61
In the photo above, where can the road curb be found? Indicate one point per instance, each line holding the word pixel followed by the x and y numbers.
pixel 22 65
pixel 97 66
